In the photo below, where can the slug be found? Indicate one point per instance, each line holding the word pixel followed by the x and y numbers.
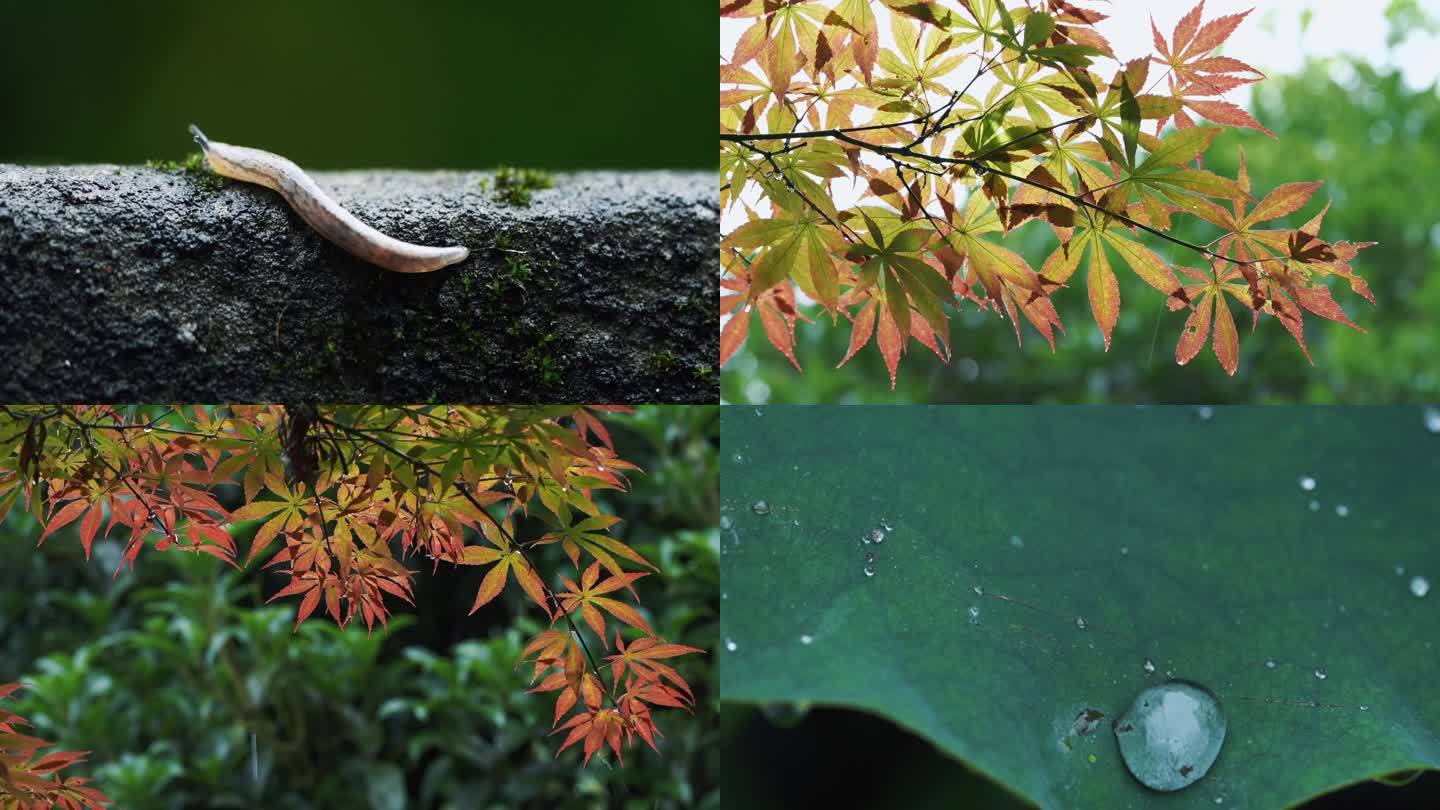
pixel 321 211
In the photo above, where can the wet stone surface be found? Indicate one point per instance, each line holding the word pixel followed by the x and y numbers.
pixel 137 284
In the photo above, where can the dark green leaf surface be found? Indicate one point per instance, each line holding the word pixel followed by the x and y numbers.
pixel 1179 539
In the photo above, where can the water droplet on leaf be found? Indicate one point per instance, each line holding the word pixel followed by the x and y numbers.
pixel 1432 419
pixel 1307 483
pixel 1016 541
pixel 1171 735
pixel 1080 622
pixel 730 644
pixel 974 614
pixel 725 522
pixel 806 639
pixel 979 591
pixel 869 571
pixel 1314 505
pixel 869 557
pixel 1270 663
pixel 760 508
pixel 1149 666
pixel 1419 586
pixel 877 536
pixel 1341 509
pixel 1205 413
pixel 1321 673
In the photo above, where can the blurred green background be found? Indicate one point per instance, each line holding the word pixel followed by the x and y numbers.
pixel 164 673
pixel 1354 125
pixel 333 84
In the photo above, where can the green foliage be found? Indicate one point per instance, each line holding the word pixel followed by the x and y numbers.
pixel 192 167
pixel 514 186
pixel 1181 538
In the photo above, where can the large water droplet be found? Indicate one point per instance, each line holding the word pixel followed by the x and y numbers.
pixel 1419 586
pixel 730 644
pixel 869 571
pixel 760 508
pixel 1432 419
pixel 877 536
pixel 1307 483
pixel 1171 735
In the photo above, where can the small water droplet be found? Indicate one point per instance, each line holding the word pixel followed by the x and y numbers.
pixel 1124 551
pixel 1270 663
pixel 869 571
pixel 1364 708
pixel 738 458
pixel 1171 735
pixel 1219 799
pixel 806 639
pixel 1321 673
pixel 760 508
pixel 1419 586
pixel 1205 413
pixel 869 557
pixel 1314 505
pixel 730 644
pixel 1149 666
pixel 1399 570
pixel 726 523
pixel 974 614
pixel 1432 419
pixel 979 591
pixel 1016 541
pixel 1341 509
pixel 877 536
pixel 1307 483
pixel 885 525
pixel 1080 622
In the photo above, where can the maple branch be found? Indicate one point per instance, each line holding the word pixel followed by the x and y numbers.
pixel 976 163
pixel 459 486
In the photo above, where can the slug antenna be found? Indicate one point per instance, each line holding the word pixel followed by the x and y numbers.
pixel 200 137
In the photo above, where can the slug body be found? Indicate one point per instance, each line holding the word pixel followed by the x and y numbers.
pixel 321 211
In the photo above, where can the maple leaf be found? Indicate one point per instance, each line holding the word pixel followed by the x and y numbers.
pixel 643 657
pixel 505 560
pixel 1210 308
pixel 587 598
pixel 588 535
pixel 1195 74
pixel 597 728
